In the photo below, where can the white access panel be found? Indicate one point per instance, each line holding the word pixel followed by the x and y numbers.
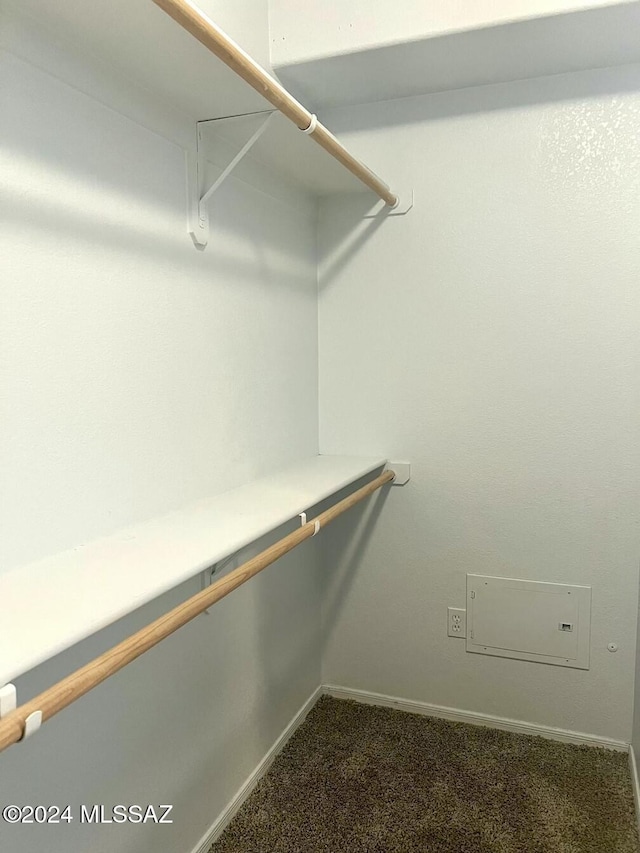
pixel 529 620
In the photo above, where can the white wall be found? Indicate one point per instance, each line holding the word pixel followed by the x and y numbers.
pixel 490 337
pixel 138 374
pixel 635 735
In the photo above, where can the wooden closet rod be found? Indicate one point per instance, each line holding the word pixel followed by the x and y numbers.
pixel 232 55
pixel 62 694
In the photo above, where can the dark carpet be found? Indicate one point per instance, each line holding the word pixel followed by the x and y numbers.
pixel 364 779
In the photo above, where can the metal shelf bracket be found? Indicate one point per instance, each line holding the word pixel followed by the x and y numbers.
pixel 8 699
pixel 199 195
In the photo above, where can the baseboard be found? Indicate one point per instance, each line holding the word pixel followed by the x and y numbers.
pixel 635 784
pixel 226 816
pixel 414 707
pixel 459 716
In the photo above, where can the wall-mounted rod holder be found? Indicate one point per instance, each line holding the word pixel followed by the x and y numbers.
pixel 402 471
pixel 303 520
pixel 32 724
pixel 404 204
pixel 9 703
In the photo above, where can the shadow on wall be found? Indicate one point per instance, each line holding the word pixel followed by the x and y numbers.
pixel 286 633
pixel 421 107
pixel 360 226
pixel 206 703
pixel 345 547
pixel 243 238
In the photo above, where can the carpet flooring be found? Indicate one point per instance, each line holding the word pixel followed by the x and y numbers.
pixel 363 779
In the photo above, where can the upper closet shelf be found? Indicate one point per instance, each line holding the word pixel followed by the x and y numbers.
pixel 191 63
pixel 218 42
pixel 266 139
pixel 305 123
pixel 49 605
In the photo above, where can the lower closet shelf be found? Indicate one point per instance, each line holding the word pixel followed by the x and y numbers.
pixel 49 605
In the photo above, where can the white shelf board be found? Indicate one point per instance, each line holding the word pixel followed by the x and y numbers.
pixel 49 605
pixel 121 39
pixel 140 42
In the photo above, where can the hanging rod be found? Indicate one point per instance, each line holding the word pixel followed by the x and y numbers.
pixel 24 720
pixel 219 43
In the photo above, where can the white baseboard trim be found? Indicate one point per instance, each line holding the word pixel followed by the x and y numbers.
pixel 635 783
pixel 459 716
pixel 228 813
pixel 413 707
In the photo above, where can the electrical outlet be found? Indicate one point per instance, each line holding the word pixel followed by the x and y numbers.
pixel 457 622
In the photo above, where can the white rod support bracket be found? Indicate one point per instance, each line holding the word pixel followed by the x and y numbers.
pixel 8 699
pixel 404 205
pixel 402 470
pixel 313 124
pixel 32 724
pixel 303 521
pixel 199 196
pixel 206 579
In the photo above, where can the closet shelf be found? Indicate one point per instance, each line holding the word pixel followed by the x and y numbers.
pixel 266 140
pixel 49 605
pixel 231 54
pixel 171 49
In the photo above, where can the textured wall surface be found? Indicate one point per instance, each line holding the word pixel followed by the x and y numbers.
pixel 136 375
pixel 491 338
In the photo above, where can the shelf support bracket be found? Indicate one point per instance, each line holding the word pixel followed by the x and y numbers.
pixel 206 579
pixel 8 699
pixel 199 213
pixel 207 575
pixel 9 702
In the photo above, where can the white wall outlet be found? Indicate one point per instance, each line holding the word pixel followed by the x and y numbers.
pixel 457 622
